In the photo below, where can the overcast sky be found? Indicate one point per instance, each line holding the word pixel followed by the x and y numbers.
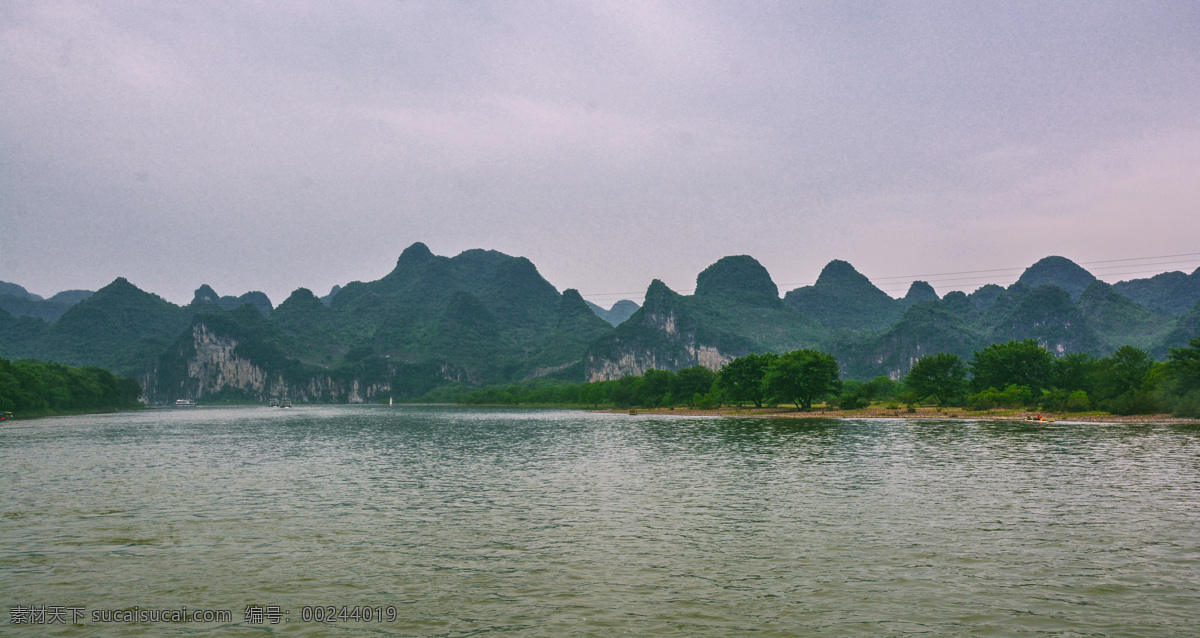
pixel 272 145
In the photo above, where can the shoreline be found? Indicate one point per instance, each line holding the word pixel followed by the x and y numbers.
pixel 920 413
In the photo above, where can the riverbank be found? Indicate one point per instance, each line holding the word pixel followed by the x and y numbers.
pixel 880 412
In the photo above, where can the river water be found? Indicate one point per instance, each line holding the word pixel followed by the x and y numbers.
pixel 547 522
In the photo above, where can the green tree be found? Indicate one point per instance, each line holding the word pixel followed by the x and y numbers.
pixel 1122 371
pixel 802 377
pixel 1183 364
pixel 656 388
pixel 689 382
pixel 855 395
pixel 1076 371
pixel 880 388
pixel 1123 382
pixel 742 379
pixel 1181 389
pixel 942 376
pixel 1021 363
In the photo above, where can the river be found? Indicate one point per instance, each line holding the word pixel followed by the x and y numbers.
pixel 455 522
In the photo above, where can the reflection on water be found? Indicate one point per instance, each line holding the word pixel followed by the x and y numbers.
pixel 552 522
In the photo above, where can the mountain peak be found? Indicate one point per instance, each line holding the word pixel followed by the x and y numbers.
pixel 920 291
pixel 417 253
pixel 841 272
pixel 205 294
pixel 121 286
pixel 740 277
pixel 572 303
pixel 1058 271
pixel 17 291
pixel 658 292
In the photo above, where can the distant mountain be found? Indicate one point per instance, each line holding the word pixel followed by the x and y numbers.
pixel 120 327
pixel 987 295
pixel 19 302
pixel 1120 320
pixel 1060 272
pixel 29 307
pixel 1184 329
pixel 575 328
pixel 918 292
pixel 616 315
pixel 17 291
pixel 206 295
pixel 734 312
pixel 328 299
pixel 479 317
pixel 842 298
pixel 925 328
pixel 71 297
pixel 483 317
pixel 1045 313
pixel 1167 294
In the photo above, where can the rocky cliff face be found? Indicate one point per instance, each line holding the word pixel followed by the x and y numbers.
pixel 217 368
pixel 662 335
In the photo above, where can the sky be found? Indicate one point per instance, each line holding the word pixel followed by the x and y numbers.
pixel 276 145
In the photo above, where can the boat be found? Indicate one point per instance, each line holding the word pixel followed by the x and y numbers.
pixel 4 416
pixel 274 403
pixel 185 403
pixel 285 403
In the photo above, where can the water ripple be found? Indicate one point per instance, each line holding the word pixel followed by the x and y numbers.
pixel 560 522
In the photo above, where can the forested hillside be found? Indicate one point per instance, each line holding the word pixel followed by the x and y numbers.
pixel 482 318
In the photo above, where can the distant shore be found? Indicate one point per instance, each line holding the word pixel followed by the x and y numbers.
pixel 920 413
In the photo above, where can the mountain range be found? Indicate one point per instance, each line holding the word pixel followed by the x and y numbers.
pixel 483 317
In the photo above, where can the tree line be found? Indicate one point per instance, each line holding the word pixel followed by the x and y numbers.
pixel 29 387
pixel 1017 374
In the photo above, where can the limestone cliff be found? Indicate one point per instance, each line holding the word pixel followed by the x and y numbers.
pixel 664 334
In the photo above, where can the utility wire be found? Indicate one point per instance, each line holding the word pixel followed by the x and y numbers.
pixel 889 285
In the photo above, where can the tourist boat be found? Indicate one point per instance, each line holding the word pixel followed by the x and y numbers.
pixel 285 403
pixel 274 403
pixel 4 416
pixel 185 403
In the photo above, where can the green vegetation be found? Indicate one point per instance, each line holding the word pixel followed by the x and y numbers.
pixel 942 376
pixel 1059 272
pixel 482 320
pixel 1012 375
pixel 32 388
pixel 802 377
pixel 842 299
pixel 1019 363
pixel 741 380
pixel 1167 294
pixel 1181 387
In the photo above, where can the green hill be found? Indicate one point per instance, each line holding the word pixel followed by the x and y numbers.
pixel 1167 294
pixel 483 317
pixel 843 299
pixel 206 298
pixel 918 292
pixel 736 310
pixel 1045 313
pixel 925 328
pixel 18 302
pixel 120 327
pixel 1060 272
pixel 1120 320
pixel 480 317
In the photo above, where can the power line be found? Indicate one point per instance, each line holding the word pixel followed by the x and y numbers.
pixel 1118 271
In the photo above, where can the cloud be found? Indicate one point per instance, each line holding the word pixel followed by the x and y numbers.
pixel 306 144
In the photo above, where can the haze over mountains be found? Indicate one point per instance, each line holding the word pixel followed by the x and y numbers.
pixel 483 317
